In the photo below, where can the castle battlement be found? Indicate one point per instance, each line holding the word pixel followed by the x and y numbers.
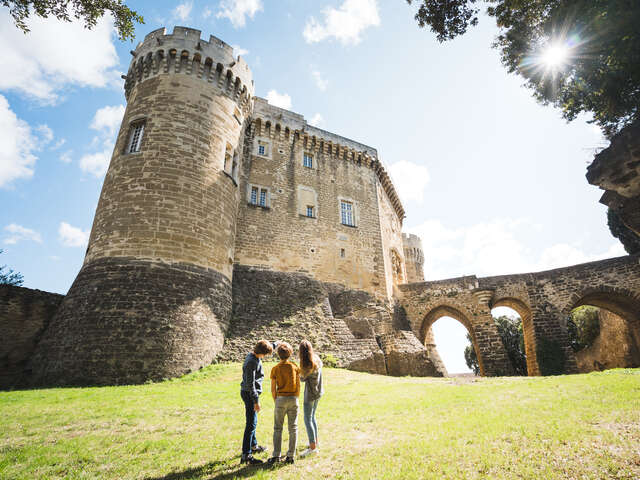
pixel 283 125
pixel 184 52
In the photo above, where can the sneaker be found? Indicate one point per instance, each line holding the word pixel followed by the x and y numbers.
pixel 273 460
pixel 258 449
pixel 249 459
pixel 309 452
pixel 288 460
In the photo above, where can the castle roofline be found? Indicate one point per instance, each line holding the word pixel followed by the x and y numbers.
pixel 296 122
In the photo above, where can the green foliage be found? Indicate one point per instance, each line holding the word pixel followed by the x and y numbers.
pixel 470 356
pixel 629 239
pixel 551 357
pixel 9 277
pixel 87 10
pixel 329 360
pixel 512 336
pixel 601 75
pixel 583 326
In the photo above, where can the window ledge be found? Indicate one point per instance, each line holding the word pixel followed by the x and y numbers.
pixel 235 182
pixel 307 216
pixel 132 153
pixel 350 226
pixel 255 205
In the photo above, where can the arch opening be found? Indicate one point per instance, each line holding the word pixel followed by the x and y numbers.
pixel 447 341
pixel 604 331
pixel 516 332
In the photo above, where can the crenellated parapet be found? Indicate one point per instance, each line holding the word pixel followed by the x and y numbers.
pixel 284 126
pixel 184 52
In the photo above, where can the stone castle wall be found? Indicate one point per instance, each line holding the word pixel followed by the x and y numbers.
pixel 24 315
pixel 414 257
pixel 279 234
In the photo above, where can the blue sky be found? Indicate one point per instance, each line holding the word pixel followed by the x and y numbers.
pixel 492 181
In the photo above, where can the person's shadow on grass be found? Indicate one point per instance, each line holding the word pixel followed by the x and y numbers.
pixel 217 470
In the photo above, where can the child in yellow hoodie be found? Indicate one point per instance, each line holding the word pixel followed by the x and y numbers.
pixel 285 389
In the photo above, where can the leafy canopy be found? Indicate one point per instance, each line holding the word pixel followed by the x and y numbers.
pixel 9 277
pixel 87 10
pixel 582 56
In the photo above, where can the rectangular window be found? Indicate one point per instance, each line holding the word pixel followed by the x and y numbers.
pixel 309 211
pixel 307 160
pixel 254 195
pixel 263 197
pixel 343 253
pixel 346 213
pixel 261 150
pixel 135 137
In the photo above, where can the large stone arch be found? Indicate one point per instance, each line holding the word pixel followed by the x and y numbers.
pixel 461 315
pixel 528 330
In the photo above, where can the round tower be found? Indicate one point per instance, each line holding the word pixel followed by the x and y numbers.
pixel 414 257
pixel 153 297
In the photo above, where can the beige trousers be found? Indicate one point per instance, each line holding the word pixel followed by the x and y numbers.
pixel 285 406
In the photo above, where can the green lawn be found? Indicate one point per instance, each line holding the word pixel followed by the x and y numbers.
pixel 573 427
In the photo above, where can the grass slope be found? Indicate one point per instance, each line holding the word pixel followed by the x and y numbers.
pixel 579 426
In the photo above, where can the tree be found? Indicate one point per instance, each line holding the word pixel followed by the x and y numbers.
pixel 87 10
pixel 9 277
pixel 583 326
pixel 629 239
pixel 578 55
pixel 470 356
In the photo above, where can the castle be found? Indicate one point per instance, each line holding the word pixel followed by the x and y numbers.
pixel 223 220
pixel 209 191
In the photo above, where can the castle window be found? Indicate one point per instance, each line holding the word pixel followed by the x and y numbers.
pixel 307 160
pixel 346 213
pixel 135 137
pixel 262 148
pixel 259 196
pixel 343 253
pixel 310 211
pixel 231 164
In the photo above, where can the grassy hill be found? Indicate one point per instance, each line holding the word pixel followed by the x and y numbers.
pixel 580 426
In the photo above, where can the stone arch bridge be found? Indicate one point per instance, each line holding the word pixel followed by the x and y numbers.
pixel 543 300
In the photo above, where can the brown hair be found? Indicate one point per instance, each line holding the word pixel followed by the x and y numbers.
pixel 284 350
pixel 263 348
pixel 307 363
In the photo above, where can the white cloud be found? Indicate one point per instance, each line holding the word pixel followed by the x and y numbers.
pixel 96 163
pixel 66 156
pixel 55 54
pixel 316 120
pixel 410 180
pixel 18 143
pixel 183 11
pixel 107 119
pixel 281 100
pixel 321 82
pixel 59 144
pixel 238 51
pixel 345 23
pixel 237 11
pixel 494 248
pixel 45 132
pixel 71 236
pixel 17 233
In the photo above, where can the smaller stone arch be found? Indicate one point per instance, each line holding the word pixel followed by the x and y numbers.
pixel 524 311
pixel 460 314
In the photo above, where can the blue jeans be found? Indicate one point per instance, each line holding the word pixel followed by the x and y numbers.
pixel 249 439
pixel 310 420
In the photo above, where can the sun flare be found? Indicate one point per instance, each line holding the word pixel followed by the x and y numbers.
pixel 555 55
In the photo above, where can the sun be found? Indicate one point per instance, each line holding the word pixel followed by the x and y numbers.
pixel 555 55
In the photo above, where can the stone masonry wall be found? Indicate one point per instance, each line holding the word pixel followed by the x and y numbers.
pixel 24 315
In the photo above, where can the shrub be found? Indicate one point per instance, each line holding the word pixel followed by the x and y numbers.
pixel 329 360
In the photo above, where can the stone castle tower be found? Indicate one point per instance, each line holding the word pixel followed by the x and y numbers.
pixel 154 291
pixel 414 257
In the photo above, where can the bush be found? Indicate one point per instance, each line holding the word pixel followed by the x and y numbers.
pixel 329 360
pixel 470 356
pixel 512 336
pixel 583 327
pixel 551 357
